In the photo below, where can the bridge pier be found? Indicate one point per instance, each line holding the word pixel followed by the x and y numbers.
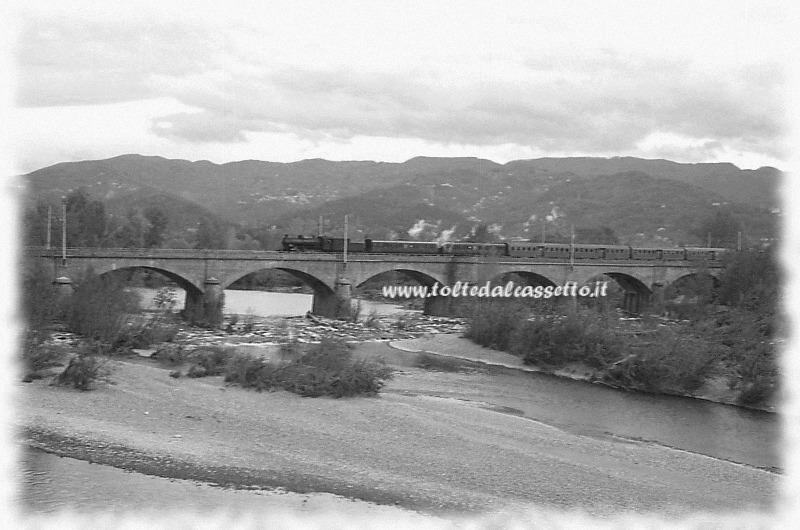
pixel 657 297
pixel 334 304
pixel 63 286
pixel 64 290
pixel 632 302
pixel 205 307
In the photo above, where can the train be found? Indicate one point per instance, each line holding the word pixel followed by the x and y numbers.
pixel 511 249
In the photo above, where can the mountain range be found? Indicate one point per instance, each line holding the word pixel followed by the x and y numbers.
pixel 649 202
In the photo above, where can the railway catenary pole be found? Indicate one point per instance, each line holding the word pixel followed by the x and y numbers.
pixel 49 224
pixel 63 231
pixel 572 249
pixel 574 304
pixel 344 253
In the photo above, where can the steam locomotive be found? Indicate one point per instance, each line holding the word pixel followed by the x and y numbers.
pixel 513 249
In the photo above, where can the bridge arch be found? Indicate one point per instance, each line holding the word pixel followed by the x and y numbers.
pixel 433 305
pixel 311 280
pixel 423 278
pixel 326 302
pixel 193 304
pixel 695 281
pixel 184 283
pixel 419 274
pixel 714 275
pixel 637 294
pixel 528 277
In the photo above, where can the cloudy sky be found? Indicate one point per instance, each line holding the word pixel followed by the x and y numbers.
pixel 345 80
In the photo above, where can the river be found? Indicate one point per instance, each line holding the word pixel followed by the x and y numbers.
pixel 267 304
pixel 718 431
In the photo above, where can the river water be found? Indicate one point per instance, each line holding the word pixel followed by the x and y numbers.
pixel 718 431
pixel 267 304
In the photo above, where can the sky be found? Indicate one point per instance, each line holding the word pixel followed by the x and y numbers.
pixel 388 81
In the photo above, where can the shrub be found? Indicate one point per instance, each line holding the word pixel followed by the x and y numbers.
pixel 100 309
pixel 249 323
pixel 211 359
pixel 757 391
pixel 372 320
pixel 325 369
pixel 170 354
pixel 354 312
pixel 494 323
pixel 554 340
pixel 37 357
pixel 232 321
pixel 668 363
pixel 82 371
pixel 401 322
pixel 758 373
pixel 197 371
pixel 37 296
pixel 249 371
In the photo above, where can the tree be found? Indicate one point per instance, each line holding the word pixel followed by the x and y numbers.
pixel 35 225
pixel 130 234
pixel 210 234
pixel 722 229
pixel 157 219
pixel 86 220
pixel 751 279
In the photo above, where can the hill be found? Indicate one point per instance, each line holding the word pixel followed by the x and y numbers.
pixel 427 195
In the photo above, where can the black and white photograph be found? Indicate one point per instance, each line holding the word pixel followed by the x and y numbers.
pixel 453 264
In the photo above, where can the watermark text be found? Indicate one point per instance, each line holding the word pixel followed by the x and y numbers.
pixel 487 290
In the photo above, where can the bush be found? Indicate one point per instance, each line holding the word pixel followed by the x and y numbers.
pixel 554 340
pixel 170 354
pixel 668 363
pixel 372 320
pixel 231 325
pixel 249 371
pixel 100 309
pixel 758 373
pixel 493 323
pixel 82 371
pixel 401 322
pixel 757 391
pixel 38 294
pixel 211 359
pixel 37 357
pixel 325 369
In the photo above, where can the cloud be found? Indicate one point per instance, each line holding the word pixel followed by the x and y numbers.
pixel 572 107
pixel 80 62
pixel 558 101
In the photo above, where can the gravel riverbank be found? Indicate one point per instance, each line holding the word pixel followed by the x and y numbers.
pixel 404 448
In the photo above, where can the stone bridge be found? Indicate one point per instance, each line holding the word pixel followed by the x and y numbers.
pixel 204 274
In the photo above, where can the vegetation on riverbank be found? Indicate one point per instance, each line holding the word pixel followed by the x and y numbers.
pixel 324 369
pixel 102 311
pixel 724 332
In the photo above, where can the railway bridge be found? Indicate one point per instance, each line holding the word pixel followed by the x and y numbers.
pixel 204 274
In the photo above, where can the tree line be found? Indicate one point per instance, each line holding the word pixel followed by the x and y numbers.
pixel 90 225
